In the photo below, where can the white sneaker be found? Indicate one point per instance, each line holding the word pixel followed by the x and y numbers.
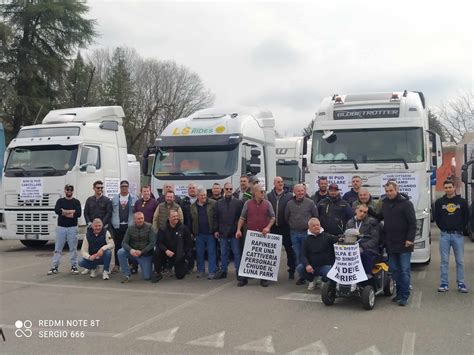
pixel 105 275
pixel 85 272
pixel 94 273
pixel 311 286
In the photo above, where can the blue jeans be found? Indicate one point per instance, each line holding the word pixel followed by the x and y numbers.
pixel 446 241
pixel 318 271
pixel 144 261
pixel 92 264
pixel 201 241
pixel 399 266
pixel 224 246
pixel 297 240
pixel 63 235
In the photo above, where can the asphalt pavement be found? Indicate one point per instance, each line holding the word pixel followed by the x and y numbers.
pixel 75 314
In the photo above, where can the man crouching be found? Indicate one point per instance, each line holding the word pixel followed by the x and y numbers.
pixel 174 247
pixel 96 249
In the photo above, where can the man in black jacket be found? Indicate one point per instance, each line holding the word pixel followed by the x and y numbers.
pixel 334 212
pixel 317 255
pixel 451 217
pixel 227 212
pixel 98 206
pixel 322 193
pixel 278 197
pixel 369 231
pixel 400 229
pixel 174 246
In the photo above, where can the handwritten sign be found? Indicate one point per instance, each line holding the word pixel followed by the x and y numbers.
pixel 261 256
pixel 111 187
pixel 348 268
pixel 407 183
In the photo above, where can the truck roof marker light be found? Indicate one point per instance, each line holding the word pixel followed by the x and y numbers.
pixel 412 109
pixel 395 97
pixel 338 100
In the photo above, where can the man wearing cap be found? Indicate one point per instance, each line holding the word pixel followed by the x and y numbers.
pixel 68 210
pixel 122 216
pixel 244 193
pixel 259 216
pixel 98 206
pixel 334 212
pixel 353 194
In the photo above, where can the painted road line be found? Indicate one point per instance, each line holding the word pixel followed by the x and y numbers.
pixel 263 345
pixel 297 296
pixel 317 348
pixel 164 336
pixel 408 347
pixel 213 341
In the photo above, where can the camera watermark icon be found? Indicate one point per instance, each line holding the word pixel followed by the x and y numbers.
pixel 23 329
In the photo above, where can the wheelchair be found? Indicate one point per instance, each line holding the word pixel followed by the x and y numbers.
pixel 378 282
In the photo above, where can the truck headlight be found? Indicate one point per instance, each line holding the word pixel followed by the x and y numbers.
pixel 419 228
pixel 420 245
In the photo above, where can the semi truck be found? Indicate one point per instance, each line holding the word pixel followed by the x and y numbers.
pixel 74 146
pixel 465 162
pixel 214 145
pixel 292 163
pixel 379 136
pixel 2 152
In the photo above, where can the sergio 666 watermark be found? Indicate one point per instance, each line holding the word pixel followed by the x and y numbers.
pixel 55 328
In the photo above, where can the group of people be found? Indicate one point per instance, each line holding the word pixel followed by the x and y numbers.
pixel 172 233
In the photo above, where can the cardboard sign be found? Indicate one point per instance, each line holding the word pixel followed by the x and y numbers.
pixel 343 181
pixel 261 256
pixel 348 268
pixel 31 189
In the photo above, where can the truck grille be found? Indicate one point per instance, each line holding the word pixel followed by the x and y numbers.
pixel 32 217
pixel 32 229
pixel 16 201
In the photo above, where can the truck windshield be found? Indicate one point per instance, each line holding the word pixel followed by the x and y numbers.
pixel 43 160
pixel 289 172
pixel 200 163
pixel 399 145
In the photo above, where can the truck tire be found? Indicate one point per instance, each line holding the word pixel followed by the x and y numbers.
pixel 33 243
pixel 368 297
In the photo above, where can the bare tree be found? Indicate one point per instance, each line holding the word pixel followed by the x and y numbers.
pixel 457 116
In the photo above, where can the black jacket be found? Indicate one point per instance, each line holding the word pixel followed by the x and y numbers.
pixel 370 230
pixel 451 214
pixel 399 224
pixel 317 197
pixel 318 250
pixel 177 239
pixel 227 215
pixel 334 214
pixel 279 203
pixel 98 208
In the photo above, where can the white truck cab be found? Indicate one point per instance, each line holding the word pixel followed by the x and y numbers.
pixel 379 136
pixel 214 145
pixel 74 146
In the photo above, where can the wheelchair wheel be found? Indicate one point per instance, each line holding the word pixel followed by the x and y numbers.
pixel 389 288
pixel 328 293
pixel 368 297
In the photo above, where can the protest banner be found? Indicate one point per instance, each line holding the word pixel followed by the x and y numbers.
pixel 111 187
pixel 348 268
pixel 261 256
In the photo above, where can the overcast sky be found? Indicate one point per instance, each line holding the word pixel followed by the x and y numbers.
pixel 287 56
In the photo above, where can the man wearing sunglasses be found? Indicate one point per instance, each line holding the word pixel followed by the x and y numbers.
pixel 68 210
pixel 98 206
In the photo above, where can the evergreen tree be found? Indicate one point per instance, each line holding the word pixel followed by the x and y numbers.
pixel 44 35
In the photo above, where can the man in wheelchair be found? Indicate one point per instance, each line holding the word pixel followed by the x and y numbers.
pixel 369 233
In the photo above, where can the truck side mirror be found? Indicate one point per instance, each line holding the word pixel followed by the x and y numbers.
pixel 436 149
pixel 305 145
pixel 464 176
pixel 254 165
pixel 90 169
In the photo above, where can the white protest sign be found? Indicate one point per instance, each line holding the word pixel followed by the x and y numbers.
pixel 407 183
pixel 31 189
pixel 111 187
pixel 181 190
pixel 261 256
pixel 348 268
pixel 343 181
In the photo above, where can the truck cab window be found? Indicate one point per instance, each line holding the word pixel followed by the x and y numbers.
pixel 90 155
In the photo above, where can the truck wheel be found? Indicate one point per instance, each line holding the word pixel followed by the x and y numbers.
pixel 328 293
pixel 389 287
pixel 33 243
pixel 368 297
